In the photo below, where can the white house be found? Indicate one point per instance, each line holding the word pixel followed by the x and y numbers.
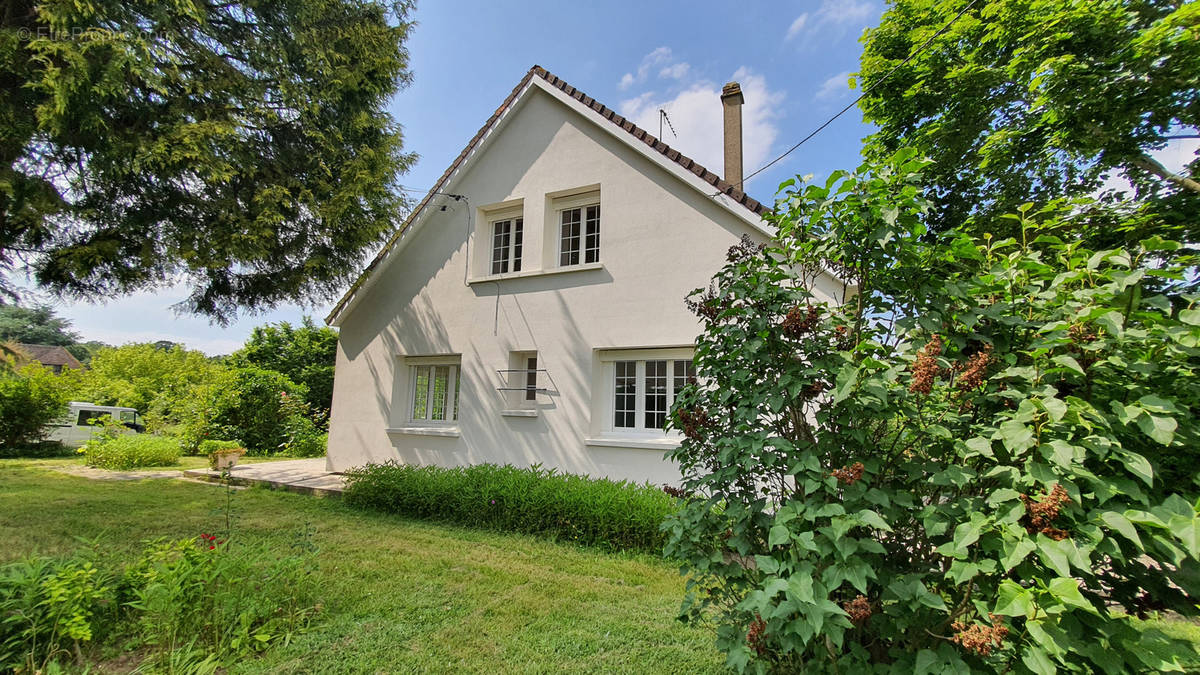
pixel 530 309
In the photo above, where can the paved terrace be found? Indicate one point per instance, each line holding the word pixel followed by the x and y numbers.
pixel 306 476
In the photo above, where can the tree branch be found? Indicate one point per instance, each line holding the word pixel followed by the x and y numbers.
pixel 1148 163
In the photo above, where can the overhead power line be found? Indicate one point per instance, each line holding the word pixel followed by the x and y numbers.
pixel 861 96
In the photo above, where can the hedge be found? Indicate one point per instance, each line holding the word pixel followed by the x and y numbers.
pixel 129 451
pixel 599 512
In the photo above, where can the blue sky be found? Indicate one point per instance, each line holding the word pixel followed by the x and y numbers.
pixel 793 60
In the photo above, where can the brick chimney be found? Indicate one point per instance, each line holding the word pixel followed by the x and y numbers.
pixel 731 100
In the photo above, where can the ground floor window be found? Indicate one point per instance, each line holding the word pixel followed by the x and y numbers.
pixel 435 392
pixel 643 391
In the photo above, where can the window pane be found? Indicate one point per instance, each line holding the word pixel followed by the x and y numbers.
pixel 420 392
pixel 656 394
pixel 684 371
pixel 591 244
pixel 457 387
pixel 441 387
pixel 569 238
pixel 625 394
pixel 531 379
pixel 518 231
pixel 501 238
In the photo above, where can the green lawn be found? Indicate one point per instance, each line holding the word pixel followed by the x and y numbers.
pixel 185 462
pixel 398 595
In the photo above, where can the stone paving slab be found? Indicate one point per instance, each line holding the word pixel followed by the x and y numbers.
pixel 306 476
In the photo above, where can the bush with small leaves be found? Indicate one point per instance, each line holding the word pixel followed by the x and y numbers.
pixel 968 464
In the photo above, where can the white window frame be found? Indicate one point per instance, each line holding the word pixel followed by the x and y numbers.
pixel 581 202
pixel 513 251
pixel 639 357
pixel 453 387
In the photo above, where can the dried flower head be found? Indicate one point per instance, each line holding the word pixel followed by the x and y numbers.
pixel 678 493
pixel 979 638
pixel 694 421
pixel 925 369
pixel 707 305
pixel 859 609
pixel 848 475
pixel 1040 514
pixel 743 249
pixel 756 636
pixel 975 372
pixel 799 322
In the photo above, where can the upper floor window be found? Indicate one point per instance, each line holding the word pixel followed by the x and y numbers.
pixel 507 240
pixel 579 235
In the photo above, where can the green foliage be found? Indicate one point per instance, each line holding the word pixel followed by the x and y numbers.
pixel 151 380
pixel 952 470
pixel 48 607
pixel 29 400
pixel 39 449
pixel 1030 100
pixel 211 446
pixel 194 602
pixel 130 451
pixel 305 354
pixel 35 325
pixel 601 512
pixel 258 407
pixel 218 599
pixel 244 148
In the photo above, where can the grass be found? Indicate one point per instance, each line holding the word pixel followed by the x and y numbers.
pixel 399 595
pixel 185 462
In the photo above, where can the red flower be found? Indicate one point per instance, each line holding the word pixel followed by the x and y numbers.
pixel 211 547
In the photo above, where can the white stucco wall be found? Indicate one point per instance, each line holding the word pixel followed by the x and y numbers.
pixel 660 239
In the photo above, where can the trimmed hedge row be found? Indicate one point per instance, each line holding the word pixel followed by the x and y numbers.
pixel 130 451
pixel 599 512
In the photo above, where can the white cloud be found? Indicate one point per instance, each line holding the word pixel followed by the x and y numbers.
pixel 675 71
pixel 834 88
pixel 659 58
pixel 797 26
pixel 696 115
pixel 832 20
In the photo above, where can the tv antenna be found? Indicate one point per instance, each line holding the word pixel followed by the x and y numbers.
pixel 662 116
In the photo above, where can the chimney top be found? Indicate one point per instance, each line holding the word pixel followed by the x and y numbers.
pixel 731 101
pixel 730 90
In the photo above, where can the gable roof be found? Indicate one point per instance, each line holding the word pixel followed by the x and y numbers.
pixel 718 184
pixel 48 355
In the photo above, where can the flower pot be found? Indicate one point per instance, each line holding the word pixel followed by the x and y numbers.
pixel 226 459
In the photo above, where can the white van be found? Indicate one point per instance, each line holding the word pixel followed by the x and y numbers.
pixel 76 428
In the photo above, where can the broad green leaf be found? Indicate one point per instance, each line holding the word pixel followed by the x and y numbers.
pixel 1012 600
pixel 846 379
pixel 1066 590
pixel 800 586
pixel 1122 525
pixel 1056 408
pixel 779 534
pixel 980 446
pixel 1036 659
pixel 1054 556
pixel 1070 363
pixel 1190 316
pixel 1158 427
pixel 1016 436
pixel 872 519
pixel 1018 552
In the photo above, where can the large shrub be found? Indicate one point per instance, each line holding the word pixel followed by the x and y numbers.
pixel 153 380
pixel 29 400
pixel 613 514
pixel 130 451
pixel 304 353
pixel 257 409
pixel 954 469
